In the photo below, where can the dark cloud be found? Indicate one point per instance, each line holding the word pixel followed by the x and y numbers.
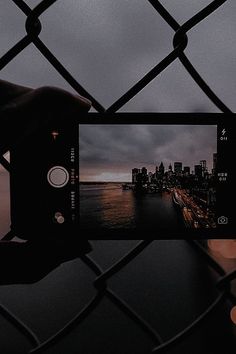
pixel 109 45
pixel 119 148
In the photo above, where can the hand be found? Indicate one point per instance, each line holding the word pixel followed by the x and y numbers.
pixel 23 110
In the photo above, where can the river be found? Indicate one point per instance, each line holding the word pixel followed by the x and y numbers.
pixel 109 206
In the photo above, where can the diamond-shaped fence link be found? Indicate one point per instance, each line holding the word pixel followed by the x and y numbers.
pixel 180 41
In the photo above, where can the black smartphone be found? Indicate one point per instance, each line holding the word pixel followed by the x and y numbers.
pixel 44 185
pixel 127 175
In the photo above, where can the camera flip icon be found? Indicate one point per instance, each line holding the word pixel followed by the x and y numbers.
pixel 223 220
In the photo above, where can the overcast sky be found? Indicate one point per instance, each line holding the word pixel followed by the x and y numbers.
pixel 108 45
pixel 109 152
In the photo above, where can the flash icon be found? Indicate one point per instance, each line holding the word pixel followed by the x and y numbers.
pixel 223 132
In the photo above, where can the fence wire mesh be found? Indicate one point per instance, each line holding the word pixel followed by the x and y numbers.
pixel 33 28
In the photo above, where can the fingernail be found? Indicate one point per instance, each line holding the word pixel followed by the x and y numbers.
pixel 86 101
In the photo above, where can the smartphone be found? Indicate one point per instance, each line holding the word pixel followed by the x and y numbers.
pixel 44 185
pixel 127 175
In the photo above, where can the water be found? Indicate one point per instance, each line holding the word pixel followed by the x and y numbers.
pixel 108 206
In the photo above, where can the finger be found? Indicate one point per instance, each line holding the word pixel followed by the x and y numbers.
pixel 55 101
pixel 9 91
pixel 26 113
pixel 46 101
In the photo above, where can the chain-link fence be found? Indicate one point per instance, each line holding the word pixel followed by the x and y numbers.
pixel 180 41
pixel 104 290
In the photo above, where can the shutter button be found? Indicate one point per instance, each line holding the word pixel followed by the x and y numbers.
pixel 58 176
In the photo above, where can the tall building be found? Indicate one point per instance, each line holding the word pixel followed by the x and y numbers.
pixel 144 171
pixel 186 170
pixel 204 167
pixel 135 172
pixel 178 168
pixel 161 169
pixel 214 163
pixel 198 170
pixel 144 175
pixel 156 173
pixel 150 176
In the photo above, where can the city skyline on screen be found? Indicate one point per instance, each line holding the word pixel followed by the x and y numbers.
pixel 108 153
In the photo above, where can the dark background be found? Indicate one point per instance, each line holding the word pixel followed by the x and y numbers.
pixel 108 46
pixel 168 284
